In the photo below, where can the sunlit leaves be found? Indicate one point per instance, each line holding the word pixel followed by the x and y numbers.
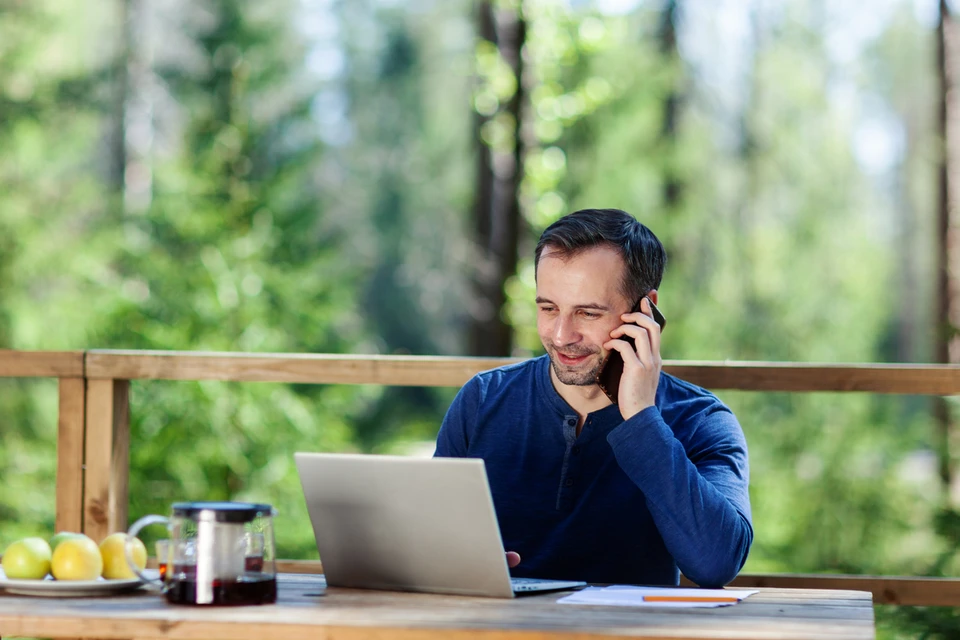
pixel 497 82
pixel 498 132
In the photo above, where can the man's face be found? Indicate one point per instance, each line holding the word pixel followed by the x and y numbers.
pixel 578 304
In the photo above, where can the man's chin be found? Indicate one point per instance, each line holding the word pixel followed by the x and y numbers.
pixel 575 377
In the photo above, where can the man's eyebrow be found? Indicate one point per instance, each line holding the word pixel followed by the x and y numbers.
pixel 596 306
pixel 592 305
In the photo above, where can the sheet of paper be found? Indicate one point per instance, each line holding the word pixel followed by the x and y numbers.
pixel 630 596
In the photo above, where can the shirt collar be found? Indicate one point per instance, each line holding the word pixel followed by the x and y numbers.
pixel 602 420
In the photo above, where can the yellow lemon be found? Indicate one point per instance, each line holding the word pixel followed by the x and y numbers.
pixel 27 559
pixel 76 559
pixel 60 537
pixel 115 565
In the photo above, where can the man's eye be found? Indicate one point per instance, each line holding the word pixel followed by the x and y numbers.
pixel 591 315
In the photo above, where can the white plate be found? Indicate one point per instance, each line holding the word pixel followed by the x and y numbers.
pixel 68 588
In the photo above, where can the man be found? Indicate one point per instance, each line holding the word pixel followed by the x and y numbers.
pixel 584 489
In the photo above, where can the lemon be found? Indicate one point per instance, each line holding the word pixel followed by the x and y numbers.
pixel 77 559
pixel 27 559
pixel 60 537
pixel 115 564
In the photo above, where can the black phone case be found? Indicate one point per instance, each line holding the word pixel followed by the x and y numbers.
pixel 608 379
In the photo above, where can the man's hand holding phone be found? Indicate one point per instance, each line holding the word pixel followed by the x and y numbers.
pixel 637 342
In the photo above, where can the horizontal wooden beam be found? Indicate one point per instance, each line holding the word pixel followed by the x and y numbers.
pixel 419 371
pixel 898 590
pixel 925 379
pixel 41 364
pixel 440 371
pixel 921 379
pixel 299 566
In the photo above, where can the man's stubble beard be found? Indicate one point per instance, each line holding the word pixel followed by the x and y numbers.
pixel 576 378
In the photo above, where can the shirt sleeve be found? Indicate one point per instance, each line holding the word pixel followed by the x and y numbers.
pixel 696 491
pixel 453 439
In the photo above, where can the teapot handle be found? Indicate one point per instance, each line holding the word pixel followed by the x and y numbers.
pixel 128 551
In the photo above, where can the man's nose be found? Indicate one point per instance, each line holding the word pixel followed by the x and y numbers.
pixel 565 331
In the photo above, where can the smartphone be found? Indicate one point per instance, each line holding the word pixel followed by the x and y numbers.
pixel 608 379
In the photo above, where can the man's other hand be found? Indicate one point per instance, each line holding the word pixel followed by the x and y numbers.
pixel 513 559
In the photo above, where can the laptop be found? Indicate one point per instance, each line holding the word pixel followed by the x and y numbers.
pixel 409 524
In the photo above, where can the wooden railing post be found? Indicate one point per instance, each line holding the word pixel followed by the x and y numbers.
pixel 70 437
pixel 107 458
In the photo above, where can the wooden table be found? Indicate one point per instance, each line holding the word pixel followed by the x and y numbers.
pixel 307 609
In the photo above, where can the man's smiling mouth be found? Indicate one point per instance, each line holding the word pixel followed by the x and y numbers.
pixel 573 359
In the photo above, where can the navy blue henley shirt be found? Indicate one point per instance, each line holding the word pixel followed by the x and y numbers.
pixel 628 502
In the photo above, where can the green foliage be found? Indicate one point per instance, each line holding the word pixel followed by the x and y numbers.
pixel 217 441
pixel 235 254
pixel 408 118
pixel 28 458
pixel 925 623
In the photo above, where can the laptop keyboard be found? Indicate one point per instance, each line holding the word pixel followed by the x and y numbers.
pixel 537 584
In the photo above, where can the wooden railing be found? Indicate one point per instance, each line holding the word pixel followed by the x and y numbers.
pixel 93 434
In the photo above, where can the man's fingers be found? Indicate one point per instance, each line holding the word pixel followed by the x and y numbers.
pixel 513 559
pixel 655 334
pixel 641 320
pixel 627 352
pixel 643 337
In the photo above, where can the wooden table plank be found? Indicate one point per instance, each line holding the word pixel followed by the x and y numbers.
pixel 306 609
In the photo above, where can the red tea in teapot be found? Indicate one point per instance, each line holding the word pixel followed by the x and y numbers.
pixel 244 590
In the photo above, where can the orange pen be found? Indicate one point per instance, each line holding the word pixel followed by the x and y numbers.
pixel 690 599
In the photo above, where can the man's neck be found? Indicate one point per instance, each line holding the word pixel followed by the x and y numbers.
pixel 582 399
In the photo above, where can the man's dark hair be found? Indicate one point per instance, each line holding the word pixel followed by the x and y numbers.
pixel 640 249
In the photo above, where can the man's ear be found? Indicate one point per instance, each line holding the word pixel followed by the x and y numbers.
pixel 653 296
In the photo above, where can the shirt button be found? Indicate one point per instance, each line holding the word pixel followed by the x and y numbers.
pixel 568 482
pixel 572 422
pixel 576 449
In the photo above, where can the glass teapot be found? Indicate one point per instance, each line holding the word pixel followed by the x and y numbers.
pixel 219 553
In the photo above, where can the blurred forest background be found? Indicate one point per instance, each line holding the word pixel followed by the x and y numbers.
pixel 370 176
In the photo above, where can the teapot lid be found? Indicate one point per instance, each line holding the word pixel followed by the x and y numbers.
pixel 223 511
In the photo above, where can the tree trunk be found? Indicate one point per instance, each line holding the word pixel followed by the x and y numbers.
pixel 948 258
pixel 121 90
pixel 131 175
pixel 497 199
pixel 667 37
